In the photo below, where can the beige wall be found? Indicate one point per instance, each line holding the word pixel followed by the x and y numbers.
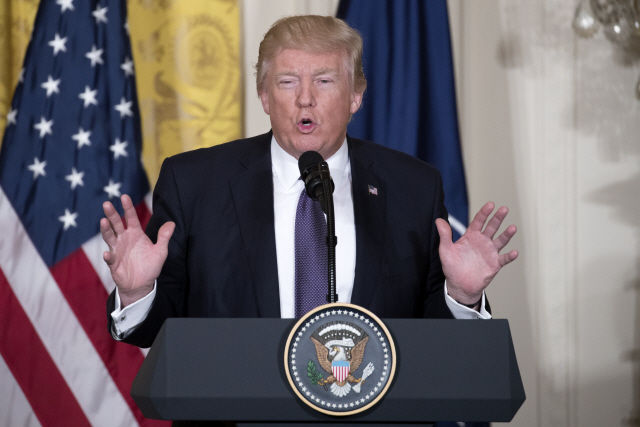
pixel 551 128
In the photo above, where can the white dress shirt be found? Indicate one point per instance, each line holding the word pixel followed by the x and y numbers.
pixel 287 187
pixel 286 191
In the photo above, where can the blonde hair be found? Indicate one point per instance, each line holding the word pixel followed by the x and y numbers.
pixel 312 34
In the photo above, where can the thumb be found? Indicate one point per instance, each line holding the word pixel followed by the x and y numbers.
pixel 444 230
pixel 165 233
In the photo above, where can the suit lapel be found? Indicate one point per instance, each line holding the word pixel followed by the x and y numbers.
pixel 253 199
pixel 369 216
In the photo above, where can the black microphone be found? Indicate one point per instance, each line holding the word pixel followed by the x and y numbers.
pixel 313 170
pixel 319 186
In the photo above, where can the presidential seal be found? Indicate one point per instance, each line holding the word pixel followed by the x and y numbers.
pixel 340 359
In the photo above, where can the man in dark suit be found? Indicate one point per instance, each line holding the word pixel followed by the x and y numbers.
pixel 221 215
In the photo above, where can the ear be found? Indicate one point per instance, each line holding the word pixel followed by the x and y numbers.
pixel 356 100
pixel 264 98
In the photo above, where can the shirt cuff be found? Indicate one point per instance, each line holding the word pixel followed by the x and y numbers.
pixel 125 320
pixel 459 311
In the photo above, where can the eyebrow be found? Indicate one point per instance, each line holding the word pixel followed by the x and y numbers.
pixel 326 70
pixel 285 73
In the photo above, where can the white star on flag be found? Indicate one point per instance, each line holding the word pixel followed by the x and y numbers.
pixel 124 108
pixel 75 178
pixel 37 167
pixel 11 117
pixel 58 44
pixel 113 189
pixel 82 137
pixel 44 127
pixel 51 86
pixel 95 56
pixel 65 4
pixel 69 219
pixel 126 26
pixel 127 66
pixel 100 14
pixel 118 148
pixel 21 76
pixel 89 96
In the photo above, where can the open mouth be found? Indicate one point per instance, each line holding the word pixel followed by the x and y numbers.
pixel 306 125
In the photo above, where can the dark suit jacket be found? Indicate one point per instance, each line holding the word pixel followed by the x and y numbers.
pixel 222 255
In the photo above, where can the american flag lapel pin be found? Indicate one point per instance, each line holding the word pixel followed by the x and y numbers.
pixel 373 190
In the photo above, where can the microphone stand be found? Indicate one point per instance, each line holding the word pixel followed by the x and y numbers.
pixel 332 240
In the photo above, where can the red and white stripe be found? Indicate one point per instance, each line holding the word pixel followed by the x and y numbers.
pixel 340 372
pixel 58 363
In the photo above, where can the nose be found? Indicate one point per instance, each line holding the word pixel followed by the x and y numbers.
pixel 306 95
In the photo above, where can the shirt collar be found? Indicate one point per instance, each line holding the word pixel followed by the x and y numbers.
pixel 285 167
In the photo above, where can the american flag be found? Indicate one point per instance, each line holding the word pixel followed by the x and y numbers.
pixel 72 141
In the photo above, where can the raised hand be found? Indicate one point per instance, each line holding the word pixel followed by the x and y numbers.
pixel 135 262
pixel 471 263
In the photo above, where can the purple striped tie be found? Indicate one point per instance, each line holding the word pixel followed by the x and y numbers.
pixel 311 256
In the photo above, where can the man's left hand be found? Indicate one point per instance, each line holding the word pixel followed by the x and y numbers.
pixel 471 263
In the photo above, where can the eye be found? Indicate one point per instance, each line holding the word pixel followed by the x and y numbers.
pixel 286 82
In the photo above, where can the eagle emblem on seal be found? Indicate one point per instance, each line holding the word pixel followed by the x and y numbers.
pixel 340 348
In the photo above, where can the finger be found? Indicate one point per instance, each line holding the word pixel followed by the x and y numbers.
pixel 130 214
pixel 165 233
pixel 114 218
pixel 108 257
pixel 478 221
pixel 505 237
pixel 507 258
pixel 444 230
pixel 495 222
pixel 107 233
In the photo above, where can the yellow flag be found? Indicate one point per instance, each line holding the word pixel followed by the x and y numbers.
pixel 16 23
pixel 187 56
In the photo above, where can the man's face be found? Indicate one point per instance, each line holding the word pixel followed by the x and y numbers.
pixel 309 101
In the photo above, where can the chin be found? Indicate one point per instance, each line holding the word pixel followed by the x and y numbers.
pixel 309 145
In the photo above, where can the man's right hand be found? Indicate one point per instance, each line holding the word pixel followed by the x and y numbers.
pixel 135 262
